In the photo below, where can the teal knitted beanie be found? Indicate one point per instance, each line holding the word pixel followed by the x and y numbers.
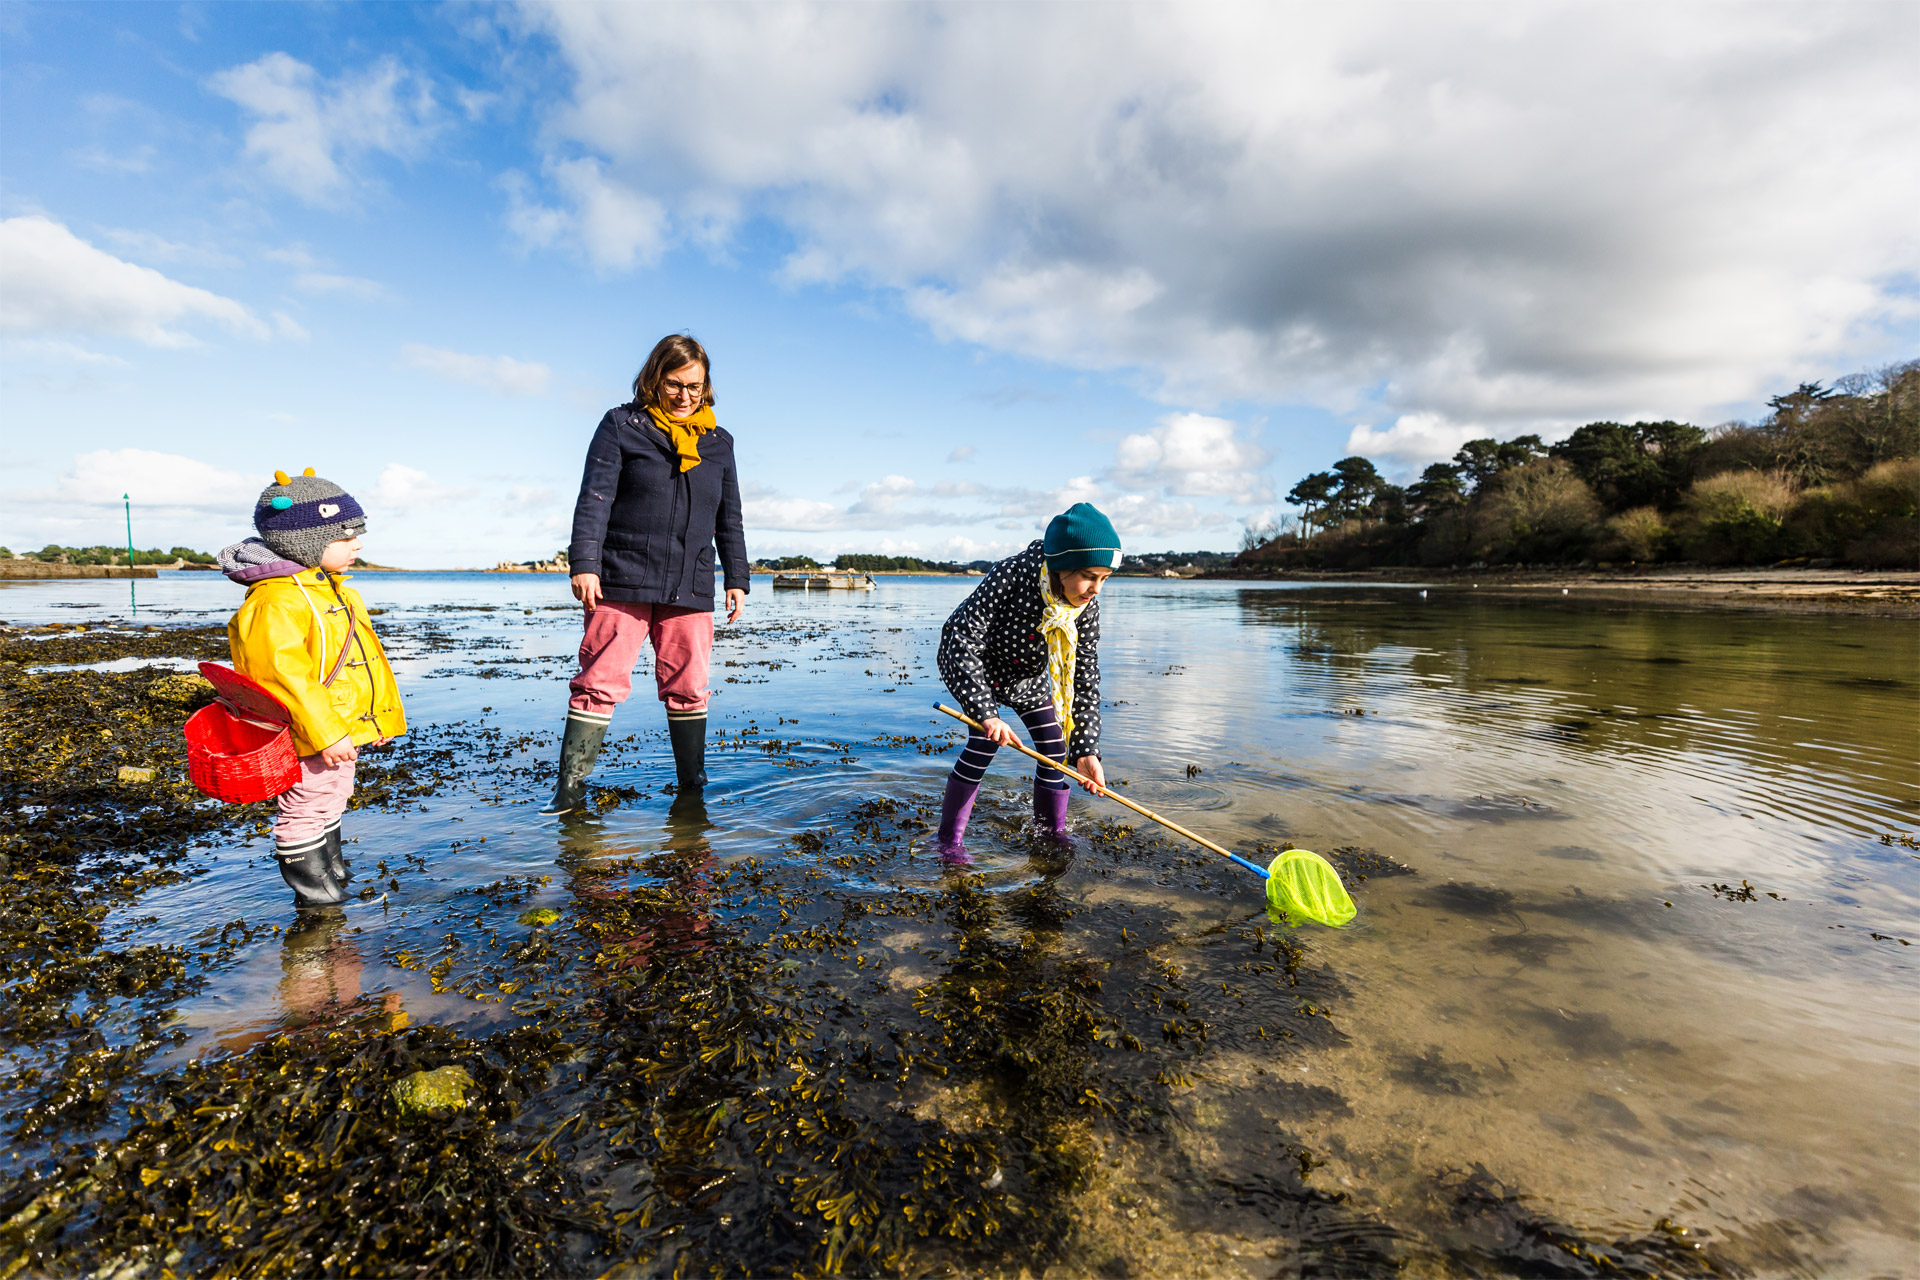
pixel 1081 538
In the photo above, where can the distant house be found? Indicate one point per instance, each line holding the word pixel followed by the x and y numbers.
pixel 556 565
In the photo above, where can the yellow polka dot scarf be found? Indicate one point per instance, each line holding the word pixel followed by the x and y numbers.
pixel 1059 625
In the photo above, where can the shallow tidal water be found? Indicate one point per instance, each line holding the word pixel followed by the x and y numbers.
pixel 1632 962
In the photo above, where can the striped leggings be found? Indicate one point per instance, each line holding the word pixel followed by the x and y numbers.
pixel 1043 727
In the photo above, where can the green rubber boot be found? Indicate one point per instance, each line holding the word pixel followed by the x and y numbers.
pixel 586 730
pixel 688 733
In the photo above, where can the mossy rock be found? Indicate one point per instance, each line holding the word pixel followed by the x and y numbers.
pixel 183 688
pixel 429 1093
pixel 540 917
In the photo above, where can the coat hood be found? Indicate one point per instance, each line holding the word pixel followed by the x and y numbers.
pixel 250 561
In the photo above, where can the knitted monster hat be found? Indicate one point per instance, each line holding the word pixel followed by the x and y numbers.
pixel 299 517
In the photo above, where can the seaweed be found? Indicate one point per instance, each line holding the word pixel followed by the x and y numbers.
pixel 1497 1233
pixel 677 1067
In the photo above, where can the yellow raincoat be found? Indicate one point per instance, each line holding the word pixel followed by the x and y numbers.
pixel 287 635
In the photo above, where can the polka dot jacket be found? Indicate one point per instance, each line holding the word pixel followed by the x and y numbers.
pixel 991 651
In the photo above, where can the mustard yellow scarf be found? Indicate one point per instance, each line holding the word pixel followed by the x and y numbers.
pixel 1059 623
pixel 685 432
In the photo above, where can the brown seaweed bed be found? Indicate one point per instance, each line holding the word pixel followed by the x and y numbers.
pixel 785 1065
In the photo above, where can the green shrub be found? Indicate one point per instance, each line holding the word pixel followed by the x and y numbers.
pixel 1872 521
pixel 1540 511
pixel 1738 517
pixel 1642 535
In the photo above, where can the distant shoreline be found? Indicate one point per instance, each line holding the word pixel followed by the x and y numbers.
pixel 1879 593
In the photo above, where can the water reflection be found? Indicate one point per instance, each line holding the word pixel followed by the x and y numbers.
pixel 1556 989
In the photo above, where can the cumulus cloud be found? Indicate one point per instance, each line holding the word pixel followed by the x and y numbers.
pixel 1192 455
pixel 1509 215
pixel 308 130
pixel 51 281
pixel 1413 440
pixel 155 480
pixel 403 490
pixel 617 227
pixel 502 374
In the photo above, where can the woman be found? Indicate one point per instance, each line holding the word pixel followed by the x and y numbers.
pixel 659 493
pixel 1029 636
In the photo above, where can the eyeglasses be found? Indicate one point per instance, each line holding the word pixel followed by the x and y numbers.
pixel 679 389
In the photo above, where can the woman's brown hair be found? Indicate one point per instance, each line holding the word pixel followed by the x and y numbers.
pixel 670 353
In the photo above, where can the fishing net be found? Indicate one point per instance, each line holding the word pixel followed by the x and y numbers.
pixel 1303 886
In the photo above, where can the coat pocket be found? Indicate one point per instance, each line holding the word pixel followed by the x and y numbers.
pixel 703 573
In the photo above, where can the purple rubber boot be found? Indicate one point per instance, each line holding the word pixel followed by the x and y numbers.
pixel 1050 809
pixel 955 808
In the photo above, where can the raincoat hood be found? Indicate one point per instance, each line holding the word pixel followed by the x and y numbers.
pixel 248 562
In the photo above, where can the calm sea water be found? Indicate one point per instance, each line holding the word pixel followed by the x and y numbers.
pixel 1652 961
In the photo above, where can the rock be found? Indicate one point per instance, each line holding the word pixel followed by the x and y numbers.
pixel 133 773
pixel 539 917
pixel 426 1093
pixel 182 687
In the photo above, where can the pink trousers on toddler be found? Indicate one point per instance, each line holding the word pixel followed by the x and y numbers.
pixel 313 805
pixel 682 655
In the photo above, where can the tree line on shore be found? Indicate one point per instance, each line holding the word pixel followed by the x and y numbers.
pixel 1829 474
pixel 862 562
pixel 55 554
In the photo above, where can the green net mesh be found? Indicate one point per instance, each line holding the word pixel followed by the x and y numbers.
pixel 1303 886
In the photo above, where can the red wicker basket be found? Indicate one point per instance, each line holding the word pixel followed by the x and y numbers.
pixel 240 749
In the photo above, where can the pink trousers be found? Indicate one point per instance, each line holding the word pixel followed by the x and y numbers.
pixel 314 803
pixel 682 653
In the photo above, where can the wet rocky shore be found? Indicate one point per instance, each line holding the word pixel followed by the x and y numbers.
pixel 826 1058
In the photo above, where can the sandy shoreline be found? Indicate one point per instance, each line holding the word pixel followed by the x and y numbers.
pixel 1880 593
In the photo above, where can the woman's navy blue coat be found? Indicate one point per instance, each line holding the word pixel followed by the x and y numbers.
pixel 648 528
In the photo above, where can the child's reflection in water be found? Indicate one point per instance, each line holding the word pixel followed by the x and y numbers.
pixel 320 976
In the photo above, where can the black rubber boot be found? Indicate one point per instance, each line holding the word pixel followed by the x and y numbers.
pixel 688 733
pixel 303 865
pixel 580 747
pixel 336 862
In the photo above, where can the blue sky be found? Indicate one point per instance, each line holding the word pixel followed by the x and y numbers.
pixel 958 266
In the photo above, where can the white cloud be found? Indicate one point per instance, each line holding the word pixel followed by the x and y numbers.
pixel 961 453
pixel 618 227
pixel 531 498
pixel 503 374
pixel 51 281
pixel 403 490
pixel 156 480
pixel 177 500
pixel 1513 215
pixel 1414 439
pixel 295 255
pixel 323 282
pixel 154 248
pixel 1192 455
pixel 309 129
pixel 53 351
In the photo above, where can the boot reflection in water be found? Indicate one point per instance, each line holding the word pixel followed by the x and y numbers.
pixel 320 970
pixel 640 928
pixel 319 966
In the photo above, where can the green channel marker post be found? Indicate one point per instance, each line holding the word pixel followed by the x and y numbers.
pixel 133 592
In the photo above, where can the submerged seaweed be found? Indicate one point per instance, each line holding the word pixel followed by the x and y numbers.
pixel 819 1059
